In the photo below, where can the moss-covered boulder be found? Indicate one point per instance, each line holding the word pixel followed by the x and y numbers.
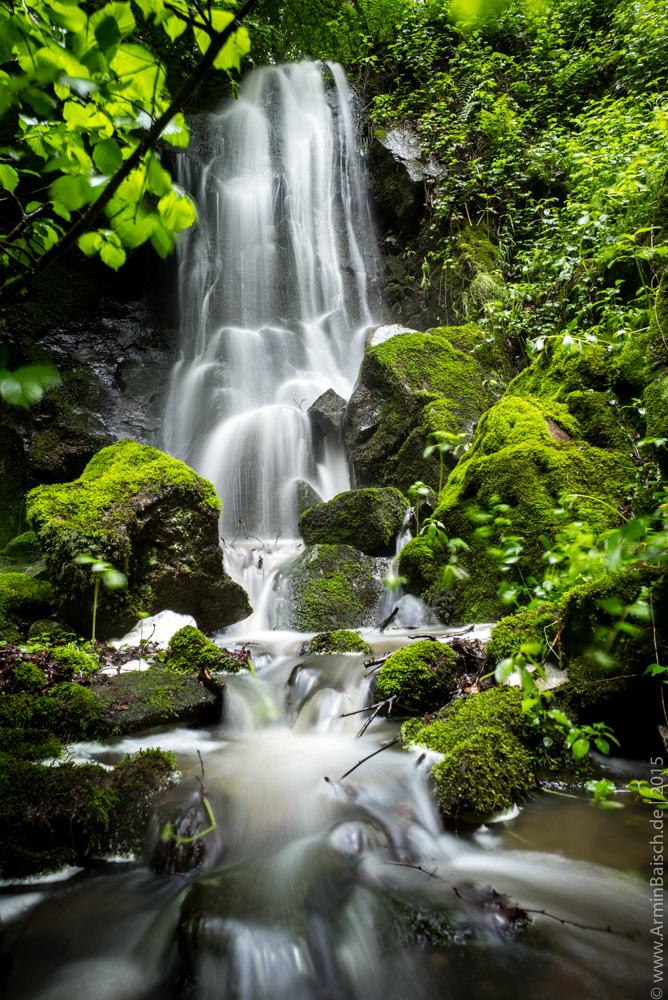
pixel 22 599
pixel 68 814
pixel 329 587
pixel 23 548
pixel 339 641
pixel 486 766
pixel 421 677
pixel 524 456
pixel 192 652
pixel 408 387
pixel 369 520
pixel 156 521
pixel 141 699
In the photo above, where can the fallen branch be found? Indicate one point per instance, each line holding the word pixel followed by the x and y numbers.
pixel 390 618
pixel 446 635
pixel 369 756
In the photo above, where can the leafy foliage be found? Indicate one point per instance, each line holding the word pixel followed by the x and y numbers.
pixel 78 98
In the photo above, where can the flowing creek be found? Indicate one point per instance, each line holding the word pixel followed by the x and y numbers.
pixel 315 886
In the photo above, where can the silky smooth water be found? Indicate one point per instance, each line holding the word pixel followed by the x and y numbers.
pixel 272 292
pixel 308 871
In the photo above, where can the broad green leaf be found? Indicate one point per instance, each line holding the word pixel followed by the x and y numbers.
pixel 233 51
pixel 113 579
pixel 107 156
pixel 113 256
pixel 174 26
pixel 27 385
pixel 108 33
pixel 177 213
pixel 580 749
pixel 158 179
pixel 218 20
pixel 72 192
pixel 176 133
pixel 90 243
pixel 122 15
pixel 162 240
pixel 9 177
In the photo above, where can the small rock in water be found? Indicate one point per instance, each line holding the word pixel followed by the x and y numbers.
pixel 158 629
pixel 327 411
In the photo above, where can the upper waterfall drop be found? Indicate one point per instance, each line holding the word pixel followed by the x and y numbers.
pixel 272 290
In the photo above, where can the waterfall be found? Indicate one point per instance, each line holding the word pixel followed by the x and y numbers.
pixel 272 291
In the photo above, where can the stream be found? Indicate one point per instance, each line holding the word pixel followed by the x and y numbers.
pixel 315 885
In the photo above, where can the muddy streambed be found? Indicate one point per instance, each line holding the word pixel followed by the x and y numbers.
pixel 317 886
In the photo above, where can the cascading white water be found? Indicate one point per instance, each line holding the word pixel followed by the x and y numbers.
pixel 272 290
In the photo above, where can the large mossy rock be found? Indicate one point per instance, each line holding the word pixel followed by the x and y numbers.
pixel 68 814
pixel 156 521
pixel 528 450
pixel 421 677
pixel 329 587
pixel 369 520
pixel 408 387
pixel 486 766
pixel 21 598
pixel 341 641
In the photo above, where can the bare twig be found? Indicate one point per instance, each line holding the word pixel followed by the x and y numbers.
pixel 369 756
pixel 519 911
pixel 388 701
pixel 418 868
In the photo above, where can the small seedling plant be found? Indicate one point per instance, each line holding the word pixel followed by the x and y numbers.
pixel 105 573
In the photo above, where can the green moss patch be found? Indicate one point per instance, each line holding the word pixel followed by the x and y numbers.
pixel 422 676
pixel 408 387
pixel 329 587
pixel 367 519
pixel 192 652
pixel 154 520
pixel 485 767
pixel 339 641
pixel 23 547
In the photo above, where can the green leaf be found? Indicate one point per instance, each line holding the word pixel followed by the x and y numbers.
pixel 113 579
pixel 174 26
pixel 9 177
pixel 580 749
pixel 108 33
pixel 71 191
pixel 27 385
pixel 158 179
pixel 113 256
pixel 107 156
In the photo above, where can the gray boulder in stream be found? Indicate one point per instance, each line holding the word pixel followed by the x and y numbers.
pixel 329 587
pixel 327 412
pixel 369 520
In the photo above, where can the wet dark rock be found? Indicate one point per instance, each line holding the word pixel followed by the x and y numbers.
pixel 156 521
pixel 186 833
pixel 67 814
pixel 367 519
pixel 327 412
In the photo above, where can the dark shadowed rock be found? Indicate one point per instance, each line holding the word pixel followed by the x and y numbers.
pixel 327 411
